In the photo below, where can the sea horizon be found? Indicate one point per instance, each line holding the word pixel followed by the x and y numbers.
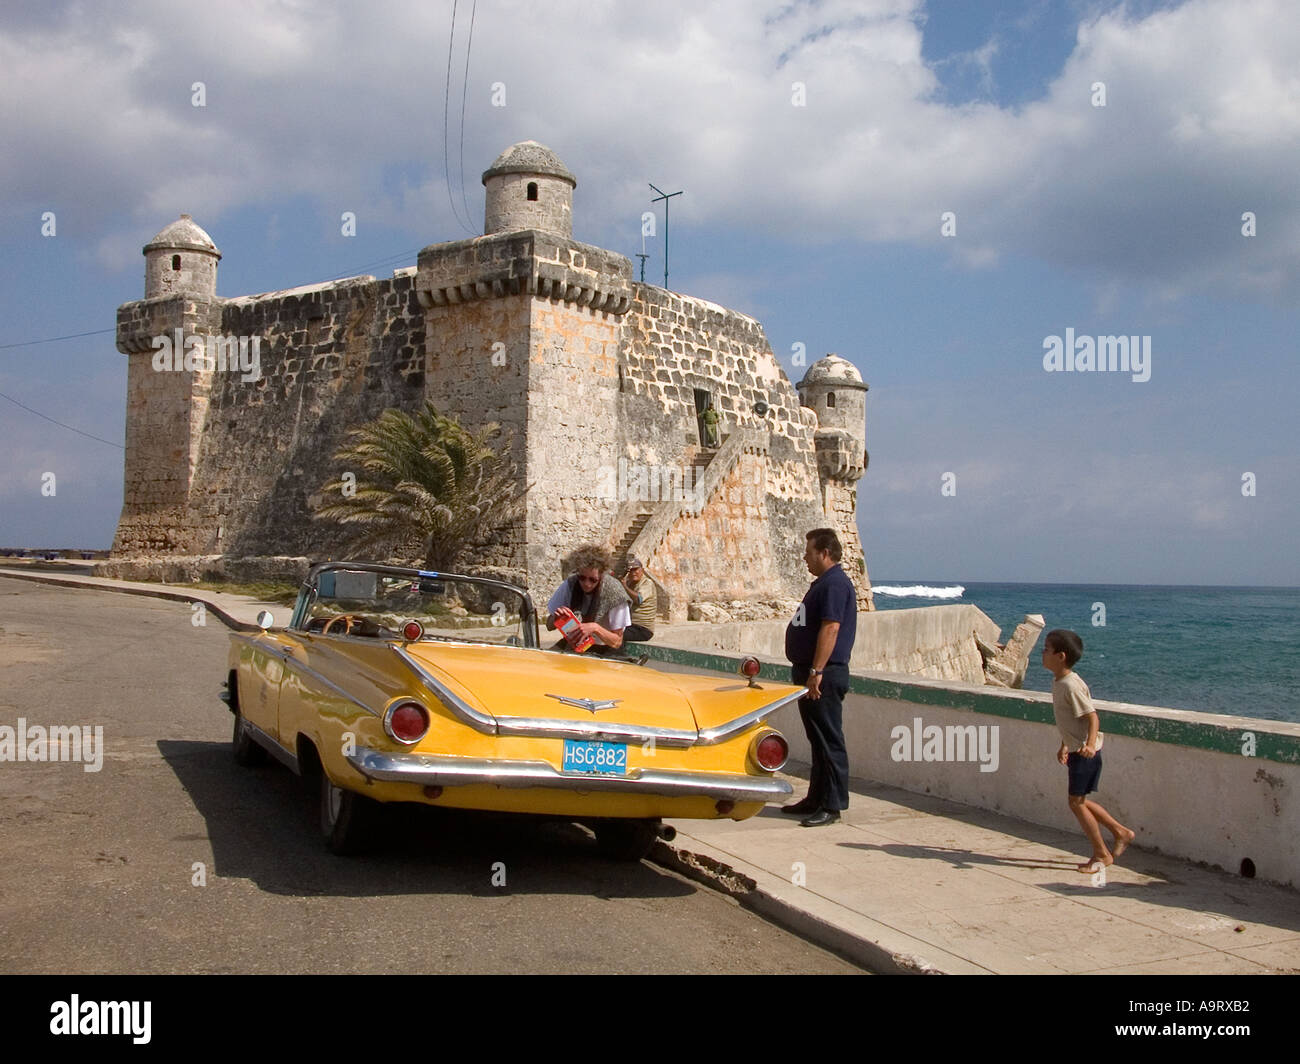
pixel 1211 648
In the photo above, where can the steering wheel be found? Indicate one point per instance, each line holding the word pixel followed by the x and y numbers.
pixel 346 618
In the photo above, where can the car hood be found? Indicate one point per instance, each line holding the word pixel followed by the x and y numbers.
pixel 510 683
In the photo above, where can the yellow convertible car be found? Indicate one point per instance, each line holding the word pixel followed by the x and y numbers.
pixel 401 685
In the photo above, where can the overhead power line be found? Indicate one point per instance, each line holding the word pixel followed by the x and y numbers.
pixel 446 112
pixel 464 95
pixel 52 339
pixel 70 428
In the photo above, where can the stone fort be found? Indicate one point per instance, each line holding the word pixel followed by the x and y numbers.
pixel 599 380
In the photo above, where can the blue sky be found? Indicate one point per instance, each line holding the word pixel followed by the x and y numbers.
pixel 823 219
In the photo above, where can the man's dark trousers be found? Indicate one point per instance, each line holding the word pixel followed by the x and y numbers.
pixel 823 721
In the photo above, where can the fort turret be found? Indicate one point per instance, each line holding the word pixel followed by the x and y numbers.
pixel 181 260
pixel 166 403
pixel 835 391
pixel 528 188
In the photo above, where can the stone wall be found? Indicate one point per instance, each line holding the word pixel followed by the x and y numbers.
pixel 749 541
pixel 331 357
pixel 726 551
pixel 940 642
pixel 574 432
pixel 164 426
pixel 587 372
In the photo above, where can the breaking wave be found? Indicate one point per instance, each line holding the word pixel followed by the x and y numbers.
pixel 919 591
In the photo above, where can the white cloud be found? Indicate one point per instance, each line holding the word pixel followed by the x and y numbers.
pixel 1202 122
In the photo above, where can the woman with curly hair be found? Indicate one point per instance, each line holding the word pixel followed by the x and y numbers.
pixel 599 601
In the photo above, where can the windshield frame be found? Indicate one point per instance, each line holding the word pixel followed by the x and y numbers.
pixel 308 594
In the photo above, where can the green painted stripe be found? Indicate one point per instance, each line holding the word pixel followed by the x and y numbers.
pixel 1199 735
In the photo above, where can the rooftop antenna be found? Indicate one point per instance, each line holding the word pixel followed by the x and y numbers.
pixel 665 196
pixel 643 256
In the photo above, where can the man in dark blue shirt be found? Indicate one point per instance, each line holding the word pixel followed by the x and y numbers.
pixel 818 642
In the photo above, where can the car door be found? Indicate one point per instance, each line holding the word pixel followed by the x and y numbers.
pixel 261 674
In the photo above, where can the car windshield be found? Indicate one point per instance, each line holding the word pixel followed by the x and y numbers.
pixel 367 603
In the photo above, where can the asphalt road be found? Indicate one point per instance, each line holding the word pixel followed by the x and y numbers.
pixel 172 858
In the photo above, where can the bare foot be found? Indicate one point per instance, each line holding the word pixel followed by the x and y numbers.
pixel 1122 841
pixel 1095 865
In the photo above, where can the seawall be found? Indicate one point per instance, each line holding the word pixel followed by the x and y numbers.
pixel 937 642
pixel 1205 787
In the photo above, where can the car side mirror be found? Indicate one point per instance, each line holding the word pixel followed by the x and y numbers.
pixel 265 620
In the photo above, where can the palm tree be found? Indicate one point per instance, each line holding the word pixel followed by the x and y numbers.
pixel 426 487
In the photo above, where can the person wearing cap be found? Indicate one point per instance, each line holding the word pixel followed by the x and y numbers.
pixel 641 590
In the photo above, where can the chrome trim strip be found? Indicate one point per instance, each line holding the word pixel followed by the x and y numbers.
pixel 549 728
pixel 255 641
pixel 429 770
pixel 289 659
pixel 273 748
pixel 721 732
pixel 459 707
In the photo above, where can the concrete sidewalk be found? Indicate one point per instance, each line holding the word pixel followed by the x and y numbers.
pixel 910 883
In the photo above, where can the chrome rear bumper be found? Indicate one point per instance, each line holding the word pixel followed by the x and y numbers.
pixel 430 770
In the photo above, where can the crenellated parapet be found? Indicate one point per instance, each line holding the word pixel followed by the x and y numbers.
pixel 532 262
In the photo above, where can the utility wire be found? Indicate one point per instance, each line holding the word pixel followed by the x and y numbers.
pixel 61 425
pixel 446 112
pixel 464 95
pixel 52 339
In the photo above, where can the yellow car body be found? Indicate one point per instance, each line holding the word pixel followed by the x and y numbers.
pixel 509 724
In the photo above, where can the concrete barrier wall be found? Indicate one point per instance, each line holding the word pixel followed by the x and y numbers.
pixel 1200 786
pixel 933 641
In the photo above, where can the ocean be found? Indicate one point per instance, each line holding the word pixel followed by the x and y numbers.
pixel 1214 649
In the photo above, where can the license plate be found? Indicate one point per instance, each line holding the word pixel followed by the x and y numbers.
pixel 605 759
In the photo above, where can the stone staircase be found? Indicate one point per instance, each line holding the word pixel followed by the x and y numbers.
pixel 698 465
pixel 703 457
pixel 625 544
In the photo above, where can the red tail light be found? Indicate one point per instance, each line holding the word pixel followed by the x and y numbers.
pixel 749 667
pixel 771 751
pixel 412 632
pixel 406 722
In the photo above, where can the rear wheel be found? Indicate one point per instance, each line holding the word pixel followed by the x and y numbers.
pixel 626 840
pixel 347 819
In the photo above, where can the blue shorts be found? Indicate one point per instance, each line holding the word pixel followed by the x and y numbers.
pixel 1085 772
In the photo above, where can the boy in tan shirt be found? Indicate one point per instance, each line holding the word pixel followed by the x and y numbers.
pixel 1080 751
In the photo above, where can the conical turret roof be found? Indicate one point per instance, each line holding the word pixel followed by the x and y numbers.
pixel 833 370
pixel 183 234
pixel 529 157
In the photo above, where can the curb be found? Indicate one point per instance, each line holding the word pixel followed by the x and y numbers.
pixel 172 594
pixel 879 949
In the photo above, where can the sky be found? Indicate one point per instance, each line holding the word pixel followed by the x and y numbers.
pixel 946 193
